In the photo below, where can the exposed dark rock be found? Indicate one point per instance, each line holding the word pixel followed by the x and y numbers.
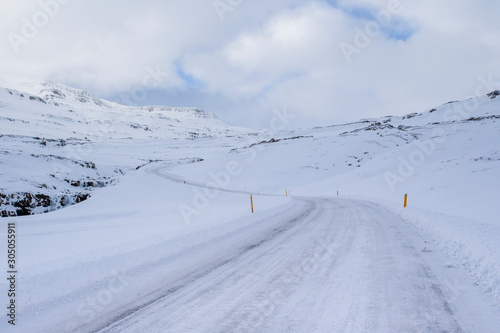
pixel 85 164
pixel 24 203
pixel 482 118
pixel 81 197
pixel 43 200
pixel 411 115
pixel 494 94
pixel 23 211
pixel 272 140
pixel 38 99
pixel 377 126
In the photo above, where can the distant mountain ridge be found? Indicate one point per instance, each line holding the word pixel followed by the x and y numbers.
pixel 73 113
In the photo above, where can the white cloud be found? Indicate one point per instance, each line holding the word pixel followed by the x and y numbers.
pixel 263 55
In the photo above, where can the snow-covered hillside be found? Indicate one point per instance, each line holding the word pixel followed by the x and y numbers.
pixel 54 111
pixel 49 134
pixel 446 159
pixel 168 218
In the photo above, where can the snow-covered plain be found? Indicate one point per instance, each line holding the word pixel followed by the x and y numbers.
pixel 155 247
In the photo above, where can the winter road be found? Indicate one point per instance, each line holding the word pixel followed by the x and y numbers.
pixel 332 265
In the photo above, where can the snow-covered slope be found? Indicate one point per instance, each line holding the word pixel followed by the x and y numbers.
pixel 49 133
pixel 446 159
pixel 148 235
pixel 54 111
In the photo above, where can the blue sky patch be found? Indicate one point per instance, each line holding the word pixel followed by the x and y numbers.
pixel 397 29
pixel 191 81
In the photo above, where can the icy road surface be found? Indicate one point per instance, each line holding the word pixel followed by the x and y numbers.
pixel 336 266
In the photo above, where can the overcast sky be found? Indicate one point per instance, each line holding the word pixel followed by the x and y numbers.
pixel 325 61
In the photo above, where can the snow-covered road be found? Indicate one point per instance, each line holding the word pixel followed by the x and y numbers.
pixel 301 264
pixel 334 265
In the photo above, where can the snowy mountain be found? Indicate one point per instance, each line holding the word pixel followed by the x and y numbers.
pixel 163 234
pixel 55 111
pixel 49 133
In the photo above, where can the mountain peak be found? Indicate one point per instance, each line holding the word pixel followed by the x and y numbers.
pixel 52 110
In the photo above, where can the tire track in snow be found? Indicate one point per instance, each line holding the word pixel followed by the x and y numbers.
pixel 373 280
pixel 217 265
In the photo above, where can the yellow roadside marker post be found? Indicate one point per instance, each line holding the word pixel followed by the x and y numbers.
pixel 337 193
pixel 406 199
pixel 286 193
pixel 251 202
